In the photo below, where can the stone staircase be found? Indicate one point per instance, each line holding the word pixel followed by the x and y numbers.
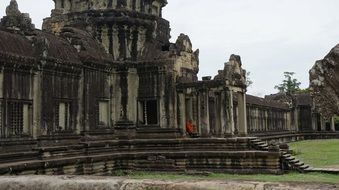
pixel 259 144
pixel 294 164
pixel 289 162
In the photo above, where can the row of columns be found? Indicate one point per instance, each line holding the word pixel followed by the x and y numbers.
pixel 225 121
pixel 323 124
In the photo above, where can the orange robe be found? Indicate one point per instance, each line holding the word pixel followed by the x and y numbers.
pixel 189 127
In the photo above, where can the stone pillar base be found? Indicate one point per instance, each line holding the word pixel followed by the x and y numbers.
pixel 125 130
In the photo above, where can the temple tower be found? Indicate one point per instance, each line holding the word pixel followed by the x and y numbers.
pixel 129 30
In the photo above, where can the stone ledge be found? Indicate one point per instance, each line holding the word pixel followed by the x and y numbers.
pixel 220 161
pixel 323 170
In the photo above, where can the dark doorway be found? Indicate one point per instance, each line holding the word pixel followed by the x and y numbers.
pixel 305 118
pixel 148 112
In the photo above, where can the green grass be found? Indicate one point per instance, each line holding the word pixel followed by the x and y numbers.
pixel 291 177
pixel 317 153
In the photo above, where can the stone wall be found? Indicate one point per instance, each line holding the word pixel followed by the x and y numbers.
pixel 104 157
pixel 324 82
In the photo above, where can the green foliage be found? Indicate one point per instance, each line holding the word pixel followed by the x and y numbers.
pixel 289 85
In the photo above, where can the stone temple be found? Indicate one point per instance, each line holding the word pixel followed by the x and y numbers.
pixel 101 88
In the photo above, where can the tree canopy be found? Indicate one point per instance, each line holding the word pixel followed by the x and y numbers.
pixel 289 84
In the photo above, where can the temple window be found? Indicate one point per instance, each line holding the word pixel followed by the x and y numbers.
pixel 103 115
pixel 148 112
pixel 63 116
pixel 19 118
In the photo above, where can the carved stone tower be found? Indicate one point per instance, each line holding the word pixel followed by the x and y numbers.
pixel 129 30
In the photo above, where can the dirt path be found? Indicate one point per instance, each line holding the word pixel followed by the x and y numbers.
pixel 112 183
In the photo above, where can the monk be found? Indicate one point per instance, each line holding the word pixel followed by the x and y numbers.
pixel 189 127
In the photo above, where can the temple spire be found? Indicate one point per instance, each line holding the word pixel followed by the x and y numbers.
pixel 13 9
pixel 15 20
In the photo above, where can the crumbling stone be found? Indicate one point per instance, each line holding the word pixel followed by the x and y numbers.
pixel 15 20
pixel 324 83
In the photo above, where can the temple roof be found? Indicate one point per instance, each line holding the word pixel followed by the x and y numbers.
pixel 15 44
pixel 56 48
pixel 19 38
pixel 74 46
pixel 89 49
pixel 254 100
pixel 304 99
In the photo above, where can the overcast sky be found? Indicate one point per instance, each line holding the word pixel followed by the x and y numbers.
pixel 271 36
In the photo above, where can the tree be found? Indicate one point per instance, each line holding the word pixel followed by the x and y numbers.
pixel 289 85
pixel 249 82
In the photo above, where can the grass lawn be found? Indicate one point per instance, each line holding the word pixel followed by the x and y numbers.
pixel 291 177
pixel 317 153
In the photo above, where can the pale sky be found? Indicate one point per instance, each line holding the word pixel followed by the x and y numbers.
pixel 271 36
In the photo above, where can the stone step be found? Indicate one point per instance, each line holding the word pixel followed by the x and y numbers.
pixel 294 161
pixel 256 140
pixel 62 154
pixel 323 170
pixel 18 156
pixel 291 158
pixel 299 163
pixel 260 143
pixel 286 153
pixel 157 148
pixel 263 146
pixel 304 167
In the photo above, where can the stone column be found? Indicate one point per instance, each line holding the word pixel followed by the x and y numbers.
pixel 80 116
pixel 288 121
pixel 2 103
pixel 323 124
pixel 2 83
pixel 267 129
pixel 332 124
pixel 296 119
pixel 198 119
pixel 230 115
pixel 242 124
pixel 223 115
pixel 36 104
pixel 314 122
pixel 218 108
pixel 204 114
pixel 125 128
pixel 182 111
pixel 133 85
